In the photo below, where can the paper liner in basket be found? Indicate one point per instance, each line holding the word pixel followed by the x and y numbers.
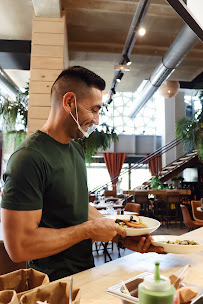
pixel 23 280
pixel 185 293
pixel 53 293
pixel 8 297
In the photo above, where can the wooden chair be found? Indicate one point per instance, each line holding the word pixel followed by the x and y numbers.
pixel 141 197
pixel 187 219
pixel 198 215
pixel 109 193
pixel 159 207
pixel 172 207
pixel 6 264
pixel 132 207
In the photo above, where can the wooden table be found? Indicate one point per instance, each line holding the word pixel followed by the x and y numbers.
pixel 94 282
pixel 105 205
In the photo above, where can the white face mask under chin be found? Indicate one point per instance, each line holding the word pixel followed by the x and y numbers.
pixel 85 133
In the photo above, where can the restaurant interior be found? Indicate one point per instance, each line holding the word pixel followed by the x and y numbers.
pixel 150 54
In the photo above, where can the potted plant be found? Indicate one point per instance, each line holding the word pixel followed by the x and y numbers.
pixel 156 183
pixel 176 181
pixel 191 130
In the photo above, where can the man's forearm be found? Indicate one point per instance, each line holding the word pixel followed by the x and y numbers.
pixel 43 242
pixel 93 213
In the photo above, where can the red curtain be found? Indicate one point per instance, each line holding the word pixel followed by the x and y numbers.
pixel 155 164
pixel 114 163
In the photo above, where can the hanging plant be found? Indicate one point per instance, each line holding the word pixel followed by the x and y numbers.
pixel 14 112
pixel 98 139
pixel 191 130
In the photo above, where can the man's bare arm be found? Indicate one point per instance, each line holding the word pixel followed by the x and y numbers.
pixel 93 213
pixel 24 240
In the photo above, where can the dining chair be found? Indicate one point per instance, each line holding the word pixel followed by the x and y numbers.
pixel 132 207
pixel 141 197
pixel 171 212
pixel 6 264
pixel 159 206
pixel 198 215
pixel 187 220
pixel 109 193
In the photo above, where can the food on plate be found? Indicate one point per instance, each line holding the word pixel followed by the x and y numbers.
pixel 131 223
pixel 180 242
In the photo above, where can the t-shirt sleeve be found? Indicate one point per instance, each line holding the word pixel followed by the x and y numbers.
pixel 24 181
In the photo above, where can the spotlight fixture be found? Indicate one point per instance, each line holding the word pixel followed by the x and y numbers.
pixel 119 77
pixel 109 101
pixel 113 91
pixel 128 62
pixel 141 31
pixel 121 67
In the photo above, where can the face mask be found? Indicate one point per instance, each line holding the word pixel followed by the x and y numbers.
pixel 90 129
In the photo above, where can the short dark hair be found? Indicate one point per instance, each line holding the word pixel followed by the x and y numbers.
pixel 76 78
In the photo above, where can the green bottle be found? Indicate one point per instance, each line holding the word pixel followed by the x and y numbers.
pixel 156 289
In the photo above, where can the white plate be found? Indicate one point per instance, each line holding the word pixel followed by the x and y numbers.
pixel 175 248
pixel 151 223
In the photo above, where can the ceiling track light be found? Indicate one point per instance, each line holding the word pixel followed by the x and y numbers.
pixel 127 60
pixel 113 91
pixel 119 77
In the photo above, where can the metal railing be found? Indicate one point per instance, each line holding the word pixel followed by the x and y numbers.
pixel 140 163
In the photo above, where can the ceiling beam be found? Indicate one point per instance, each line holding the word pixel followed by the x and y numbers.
pixel 47 8
pixel 116 48
pixel 122 7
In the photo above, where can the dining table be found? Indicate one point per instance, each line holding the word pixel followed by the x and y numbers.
pixel 105 205
pixel 94 282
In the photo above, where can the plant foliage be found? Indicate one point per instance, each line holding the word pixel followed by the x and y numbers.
pixel 191 130
pixel 12 111
pixel 98 139
pixel 156 183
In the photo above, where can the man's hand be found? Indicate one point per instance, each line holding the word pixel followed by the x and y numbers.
pixel 141 244
pixel 103 229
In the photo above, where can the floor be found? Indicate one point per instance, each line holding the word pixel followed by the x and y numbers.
pixel 172 230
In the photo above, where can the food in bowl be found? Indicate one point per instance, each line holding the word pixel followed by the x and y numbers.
pixel 179 242
pixel 131 223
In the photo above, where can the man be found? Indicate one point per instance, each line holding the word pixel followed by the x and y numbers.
pixel 45 213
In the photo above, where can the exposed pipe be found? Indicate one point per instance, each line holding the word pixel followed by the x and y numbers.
pixel 181 46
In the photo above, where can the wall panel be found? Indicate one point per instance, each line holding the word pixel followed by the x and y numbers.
pixel 49 37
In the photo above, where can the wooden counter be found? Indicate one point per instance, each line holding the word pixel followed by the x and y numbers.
pixel 95 281
pixel 159 192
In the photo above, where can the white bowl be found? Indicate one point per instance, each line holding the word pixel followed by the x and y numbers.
pixel 150 222
pixel 175 248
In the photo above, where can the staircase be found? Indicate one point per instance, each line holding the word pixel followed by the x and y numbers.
pixel 177 166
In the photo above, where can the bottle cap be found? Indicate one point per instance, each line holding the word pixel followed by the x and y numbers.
pixel 156 282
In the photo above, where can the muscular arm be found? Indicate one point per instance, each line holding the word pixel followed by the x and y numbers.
pixel 93 213
pixel 24 240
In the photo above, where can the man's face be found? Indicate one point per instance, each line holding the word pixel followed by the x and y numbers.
pixel 88 110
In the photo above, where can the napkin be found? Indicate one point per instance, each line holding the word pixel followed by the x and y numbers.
pixel 23 280
pixel 8 297
pixel 54 293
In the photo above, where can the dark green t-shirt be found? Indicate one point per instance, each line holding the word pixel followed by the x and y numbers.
pixel 45 174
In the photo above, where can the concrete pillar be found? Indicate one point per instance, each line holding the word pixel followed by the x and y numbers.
pixel 174 109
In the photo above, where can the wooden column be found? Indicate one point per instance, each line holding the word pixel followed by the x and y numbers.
pixel 48 57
